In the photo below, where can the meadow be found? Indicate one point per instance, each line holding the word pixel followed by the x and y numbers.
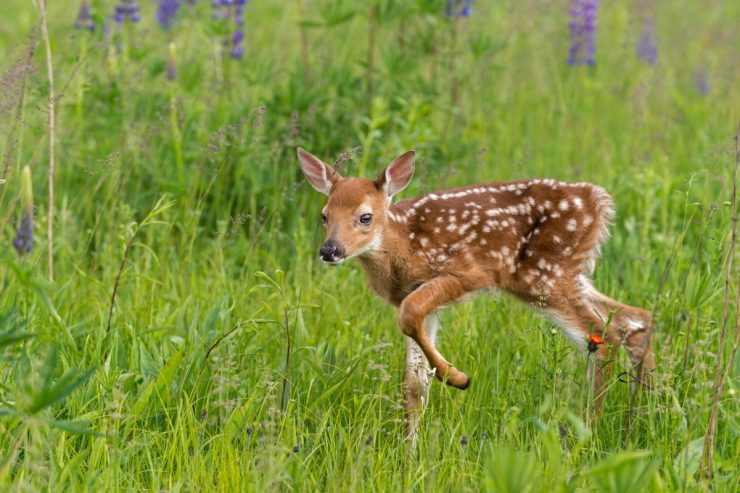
pixel 179 332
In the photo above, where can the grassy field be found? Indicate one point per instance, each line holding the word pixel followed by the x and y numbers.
pixel 232 360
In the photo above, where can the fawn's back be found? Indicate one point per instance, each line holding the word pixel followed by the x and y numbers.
pixel 521 236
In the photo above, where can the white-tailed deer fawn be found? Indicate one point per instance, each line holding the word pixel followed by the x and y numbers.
pixel 536 239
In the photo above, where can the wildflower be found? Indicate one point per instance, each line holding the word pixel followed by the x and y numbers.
pixel 171 68
pixel 127 10
pixel 237 48
pixel 647 44
pixel 582 27
pixel 459 8
pixel 222 10
pixel 594 342
pixel 166 12
pixel 23 242
pixel 464 440
pixel 84 17
pixel 237 45
pixel 701 81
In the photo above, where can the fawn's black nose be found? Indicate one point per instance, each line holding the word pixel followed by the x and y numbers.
pixel 331 252
pixel 328 249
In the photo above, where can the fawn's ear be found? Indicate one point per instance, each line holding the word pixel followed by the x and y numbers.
pixel 397 175
pixel 320 175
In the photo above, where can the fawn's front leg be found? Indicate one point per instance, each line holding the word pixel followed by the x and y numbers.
pixel 414 310
pixel 417 378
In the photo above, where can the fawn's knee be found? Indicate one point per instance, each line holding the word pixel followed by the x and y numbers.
pixel 410 318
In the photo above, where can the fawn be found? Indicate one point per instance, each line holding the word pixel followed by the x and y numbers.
pixel 536 239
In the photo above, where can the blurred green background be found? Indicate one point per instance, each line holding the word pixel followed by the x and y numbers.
pixel 233 361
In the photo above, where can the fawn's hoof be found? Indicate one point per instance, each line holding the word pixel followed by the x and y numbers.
pixel 457 379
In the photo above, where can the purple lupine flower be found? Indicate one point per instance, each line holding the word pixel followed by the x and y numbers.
pixel 459 8
pixel 701 81
pixel 127 10
pixel 84 17
pixel 237 41
pixel 23 241
pixel 222 10
pixel 582 28
pixel 239 11
pixel 166 12
pixel 237 46
pixel 647 44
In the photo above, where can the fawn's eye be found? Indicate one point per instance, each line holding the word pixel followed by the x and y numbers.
pixel 366 218
pixel 323 218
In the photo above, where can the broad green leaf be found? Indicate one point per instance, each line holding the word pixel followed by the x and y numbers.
pixel 624 472
pixel 511 471
pixel 687 461
pixel 160 385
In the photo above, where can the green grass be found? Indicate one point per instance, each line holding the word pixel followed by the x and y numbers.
pixel 190 390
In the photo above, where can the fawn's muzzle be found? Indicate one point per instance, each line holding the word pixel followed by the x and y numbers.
pixel 331 252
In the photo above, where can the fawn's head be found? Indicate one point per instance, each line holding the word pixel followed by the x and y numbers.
pixel 357 210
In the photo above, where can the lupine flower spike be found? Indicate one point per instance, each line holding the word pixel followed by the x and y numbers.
pixel 647 44
pixel 127 10
pixel 701 81
pixel 237 46
pixel 594 342
pixel 166 12
pixel 459 8
pixel 582 28
pixel 84 17
pixel 171 69
pixel 222 10
pixel 23 242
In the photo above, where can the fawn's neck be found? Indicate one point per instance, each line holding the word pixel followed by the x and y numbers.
pixel 386 267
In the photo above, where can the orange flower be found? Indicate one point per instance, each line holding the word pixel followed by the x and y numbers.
pixel 594 342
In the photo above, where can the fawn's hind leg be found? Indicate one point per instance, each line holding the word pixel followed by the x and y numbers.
pixel 417 378
pixel 634 327
pixel 578 318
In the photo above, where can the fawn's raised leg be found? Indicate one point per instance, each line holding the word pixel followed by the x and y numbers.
pixel 414 310
pixel 634 327
pixel 417 378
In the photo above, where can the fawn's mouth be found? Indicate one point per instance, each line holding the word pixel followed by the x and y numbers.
pixel 331 260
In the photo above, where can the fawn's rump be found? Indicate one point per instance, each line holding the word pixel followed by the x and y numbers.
pixel 564 242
